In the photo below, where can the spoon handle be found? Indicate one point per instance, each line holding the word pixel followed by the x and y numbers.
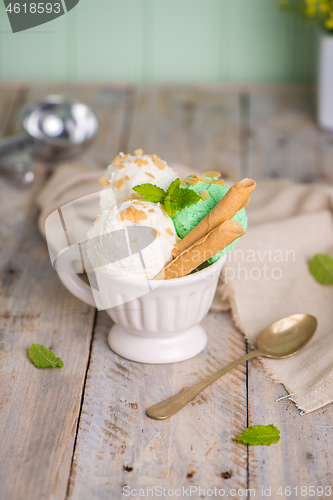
pixel 172 405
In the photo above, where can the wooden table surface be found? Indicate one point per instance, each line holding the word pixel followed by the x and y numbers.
pixel 81 432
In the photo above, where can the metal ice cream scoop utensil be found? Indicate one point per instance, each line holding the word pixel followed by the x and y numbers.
pixel 279 340
pixel 55 128
pixel 18 167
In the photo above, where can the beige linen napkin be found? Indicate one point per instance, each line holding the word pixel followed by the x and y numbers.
pixel 266 276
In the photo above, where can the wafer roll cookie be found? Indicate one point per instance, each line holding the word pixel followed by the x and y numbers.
pixel 205 248
pixel 236 198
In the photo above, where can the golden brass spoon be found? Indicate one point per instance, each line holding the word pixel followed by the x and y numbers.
pixel 279 340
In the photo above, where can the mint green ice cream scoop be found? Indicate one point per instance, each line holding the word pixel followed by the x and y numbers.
pixel 187 218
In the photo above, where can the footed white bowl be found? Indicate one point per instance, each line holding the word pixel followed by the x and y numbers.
pixel 160 325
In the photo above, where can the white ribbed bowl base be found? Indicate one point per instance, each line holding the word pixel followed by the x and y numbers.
pixel 157 350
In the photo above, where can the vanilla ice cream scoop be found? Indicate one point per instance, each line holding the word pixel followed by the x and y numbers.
pixel 127 171
pixel 108 240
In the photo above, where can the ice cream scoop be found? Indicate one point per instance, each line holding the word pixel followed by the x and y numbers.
pixel 189 217
pixel 131 213
pixel 127 171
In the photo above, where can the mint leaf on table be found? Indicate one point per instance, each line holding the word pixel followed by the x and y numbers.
pixel 259 434
pixel 150 192
pixel 321 268
pixel 43 357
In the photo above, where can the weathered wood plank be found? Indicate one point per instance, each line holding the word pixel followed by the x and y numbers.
pixel 40 408
pixel 283 141
pixel 303 455
pixel 283 136
pixel 197 126
pixel 10 95
pixel 119 445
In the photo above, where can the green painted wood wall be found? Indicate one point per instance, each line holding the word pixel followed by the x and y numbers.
pixel 163 40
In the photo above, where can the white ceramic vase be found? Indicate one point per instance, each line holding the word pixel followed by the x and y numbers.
pixel 325 83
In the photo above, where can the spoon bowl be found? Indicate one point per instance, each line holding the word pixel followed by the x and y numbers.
pixel 287 336
pixel 279 340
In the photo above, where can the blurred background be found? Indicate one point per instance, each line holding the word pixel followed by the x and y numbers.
pixel 189 41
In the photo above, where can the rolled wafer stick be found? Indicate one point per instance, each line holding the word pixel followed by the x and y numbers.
pixel 236 198
pixel 203 249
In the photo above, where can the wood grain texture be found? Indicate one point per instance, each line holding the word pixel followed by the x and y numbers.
pixel 197 126
pixel 283 137
pixel 40 408
pixel 119 445
pixel 208 128
pixel 10 94
pixel 302 457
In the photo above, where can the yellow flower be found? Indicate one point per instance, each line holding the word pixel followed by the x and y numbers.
pixel 310 8
pixel 324 6
pixel 329 22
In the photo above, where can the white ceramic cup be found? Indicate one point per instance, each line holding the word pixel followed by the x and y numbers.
pixel 161 326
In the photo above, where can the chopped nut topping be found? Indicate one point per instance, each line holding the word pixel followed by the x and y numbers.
pixel 137 202
pixel 150 175
pixel 219 181
pixel 119 183
pixel 127 177
pixel 193 181
pixel 151 210
pixel 154 157
pixel 104 181
pixel 212 173
pixel 203 179
pixel 130 161
pixel 97 219
pixel 140 162
pixel 138 152
pixel 120 166
pixel 168 230
pixel 117 158
pixel 159 164
pixel 125 157
pixel 132 213
pixel 204 195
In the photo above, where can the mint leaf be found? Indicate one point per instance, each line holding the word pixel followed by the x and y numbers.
pixel 174 199
pixel 321 268
pixel 150 192
pixel 174 187
pixel 43 357
pixel 259 434
pixel 187 197
pixel 179 198
pixel 170 205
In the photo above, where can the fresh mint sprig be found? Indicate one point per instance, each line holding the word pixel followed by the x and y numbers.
pixel 175 198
